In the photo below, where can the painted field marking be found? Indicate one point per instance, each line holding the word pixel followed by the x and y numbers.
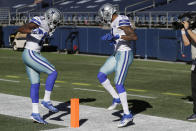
pixel 60 82
pixel 188 102
pixel 45 84
pixel 9 80
pixel 137 90
pixel 12 76
pixel 81 84
pixel 88 90
pixel 172 94
pixel 142 96
pixel 104 92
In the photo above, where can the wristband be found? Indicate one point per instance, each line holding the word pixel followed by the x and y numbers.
pixel 183 32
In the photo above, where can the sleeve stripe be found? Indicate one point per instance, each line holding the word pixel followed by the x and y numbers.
pixel 123 20
pixel 120 24
pixel 35 21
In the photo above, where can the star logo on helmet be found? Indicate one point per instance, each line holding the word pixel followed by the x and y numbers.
pixel 52 12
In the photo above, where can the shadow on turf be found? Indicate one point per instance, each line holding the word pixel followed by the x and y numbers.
pixel 64 107
pixel 135 106
pixel 189 98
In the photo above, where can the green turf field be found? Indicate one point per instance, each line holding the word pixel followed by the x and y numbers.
pixel 17 124
pixel 161 88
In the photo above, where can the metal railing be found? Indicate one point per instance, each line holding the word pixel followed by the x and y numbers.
pixel 4 15
pixel 139 3
pixel 152 19
pixel 155 19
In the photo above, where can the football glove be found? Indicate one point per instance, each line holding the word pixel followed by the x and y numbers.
pixel 51 32
pixel 110 37
pixel 112 42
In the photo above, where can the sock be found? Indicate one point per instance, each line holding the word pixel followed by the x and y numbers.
pixel 35 108
pixel 107 85
pixel 123 98
pixel 34 93
pixel 47 95
pixel 51 80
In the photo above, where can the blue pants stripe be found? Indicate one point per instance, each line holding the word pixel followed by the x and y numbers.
pixel 123 68
pixel 33 56
pixel 126 67
pixel 119 64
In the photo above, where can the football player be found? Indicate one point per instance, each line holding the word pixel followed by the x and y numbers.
pixel 37 30
pixel 120 36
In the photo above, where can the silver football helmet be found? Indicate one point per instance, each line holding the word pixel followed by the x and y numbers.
pixel 53 17
pixel 106 11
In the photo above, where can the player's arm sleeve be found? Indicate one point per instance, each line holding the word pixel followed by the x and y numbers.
pixel 125 25
pixel 129 33
pixel 33 23
pixel 27 28
pixel 124 22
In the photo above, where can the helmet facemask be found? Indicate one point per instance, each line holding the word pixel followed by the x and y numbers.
pixel 53 17
pixel 106 12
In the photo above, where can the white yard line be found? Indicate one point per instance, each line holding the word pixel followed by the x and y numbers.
pixel 45 84
pixel 188 102
pixel 137 59
pixel 142 96
pixel 134 67
pixel 9 80
pixel 84 89
pixel 94 118
pixel 14 81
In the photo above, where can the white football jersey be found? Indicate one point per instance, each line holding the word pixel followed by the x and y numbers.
pixel 193 47
pixel 36 38
pixel 121 20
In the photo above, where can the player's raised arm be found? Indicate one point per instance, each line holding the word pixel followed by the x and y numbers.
pixel 27 28
pixel 130 34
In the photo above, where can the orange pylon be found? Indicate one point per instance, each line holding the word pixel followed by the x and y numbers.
pixel 75 113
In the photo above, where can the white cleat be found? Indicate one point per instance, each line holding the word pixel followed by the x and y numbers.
pixel 115 102
pixel 125 120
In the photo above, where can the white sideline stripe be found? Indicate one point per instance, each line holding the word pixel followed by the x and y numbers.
pixel 98 119
pixel 88 90
pixel 104 92
pixel 9 80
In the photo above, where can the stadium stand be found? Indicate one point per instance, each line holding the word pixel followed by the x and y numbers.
pixel 74 10
pixel 145 14
pixel 176 5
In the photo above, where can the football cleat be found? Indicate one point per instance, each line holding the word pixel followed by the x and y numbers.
pixel 125 120
pixel 36 117
pixel 48 105
pixel 192 117
pixel 115 102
